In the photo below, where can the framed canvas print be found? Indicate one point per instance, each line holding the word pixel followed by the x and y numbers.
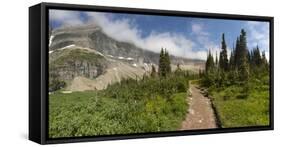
pixel 100 73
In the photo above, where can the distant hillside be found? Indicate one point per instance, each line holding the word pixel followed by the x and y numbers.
pixel 87 59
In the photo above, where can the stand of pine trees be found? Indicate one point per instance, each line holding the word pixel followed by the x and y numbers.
pixel 242 64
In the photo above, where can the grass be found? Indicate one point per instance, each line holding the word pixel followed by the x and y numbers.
pixel 148 105
pixel 239 108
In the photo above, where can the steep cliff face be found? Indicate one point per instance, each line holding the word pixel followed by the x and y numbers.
pixel 78 69
pixel 69 63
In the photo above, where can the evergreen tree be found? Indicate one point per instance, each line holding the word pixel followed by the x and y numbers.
pixel 256 59
pixel 164 63
pixel 161 66
pixel 236 52
pixel 243 65
pixel 249 57
pixel 167 62
pixel 231 61
pixel 264 61
pixel 217 61
pixel 232 75
pixel 210 72
pixel 223 63
pixel 264 57
pixel 209 66
pixel 242 47
pixel 244 70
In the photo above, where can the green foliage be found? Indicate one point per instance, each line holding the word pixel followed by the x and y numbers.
pixel 211 69
pixel 243 105
pixel 232 61
pixel 259 65
pixel 256 59
pixel 241 65
pixel 161 64
pixel 210 65
pixel 131 106
pixel 55 83
pixel 241 93
pixel 244 70
pixel 242 60
pixel 217 60
pixel 167 62
pixel 223 62
pixel 164 63
pixel 265 64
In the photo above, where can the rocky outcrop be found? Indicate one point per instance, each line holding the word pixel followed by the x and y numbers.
pixel 77 62
pixel 78 68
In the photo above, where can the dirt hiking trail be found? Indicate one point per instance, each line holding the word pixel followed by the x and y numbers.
pixel 200 112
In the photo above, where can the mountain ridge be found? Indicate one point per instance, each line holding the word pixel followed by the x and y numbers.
pixel 116 60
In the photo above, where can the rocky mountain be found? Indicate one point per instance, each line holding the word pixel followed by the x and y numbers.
pixel 85 58
pixel 74 62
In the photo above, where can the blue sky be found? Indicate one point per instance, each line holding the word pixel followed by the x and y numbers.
pixel 182 36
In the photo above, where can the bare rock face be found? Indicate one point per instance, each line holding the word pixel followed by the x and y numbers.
pixel 79 68
pixel 76 62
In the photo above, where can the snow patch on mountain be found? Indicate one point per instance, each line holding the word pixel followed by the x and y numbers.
pixel 50 40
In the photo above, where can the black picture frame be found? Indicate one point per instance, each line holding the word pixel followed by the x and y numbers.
pixel 38 71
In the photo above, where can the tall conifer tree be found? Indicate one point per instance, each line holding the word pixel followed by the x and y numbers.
pixel 161 66
pixel 223 63
pixel 209 66
pixel 243 65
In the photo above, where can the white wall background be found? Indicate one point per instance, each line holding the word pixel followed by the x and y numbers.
pixel 14 72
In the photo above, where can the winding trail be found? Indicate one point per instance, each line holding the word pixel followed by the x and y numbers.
pixel 200 113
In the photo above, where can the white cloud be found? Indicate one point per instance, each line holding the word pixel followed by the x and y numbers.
pixel 203 38
pixel 126 30
pixel 258 35
pixel 179 45
pixel 197 28
pixel 121 30
pixel 66 17
pixel 176 44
